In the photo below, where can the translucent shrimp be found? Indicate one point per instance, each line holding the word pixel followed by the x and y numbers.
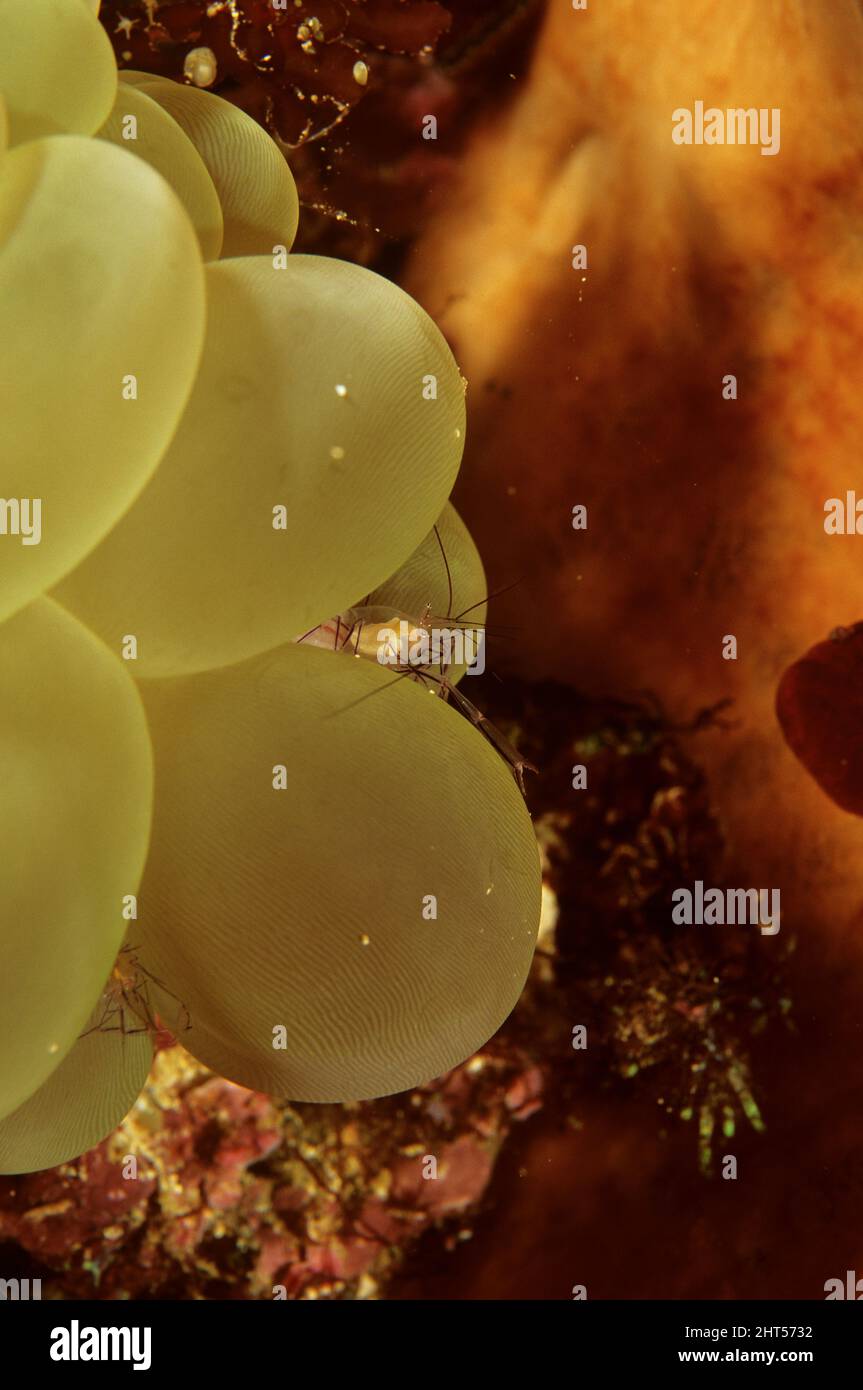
pixel 126 999
pixel 416 646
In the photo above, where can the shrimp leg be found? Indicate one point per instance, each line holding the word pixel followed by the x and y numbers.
pixel 507 750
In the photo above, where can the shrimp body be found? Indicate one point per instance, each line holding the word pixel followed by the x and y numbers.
pixel 126 999
pixel 400 640
pixel 423 648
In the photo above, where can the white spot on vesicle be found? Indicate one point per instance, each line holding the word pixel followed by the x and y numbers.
pixel 200 67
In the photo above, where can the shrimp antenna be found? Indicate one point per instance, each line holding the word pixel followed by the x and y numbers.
pixel 368 695
pixel 448 571
pixel 496 594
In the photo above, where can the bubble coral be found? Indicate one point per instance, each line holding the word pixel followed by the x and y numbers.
pixel 219 454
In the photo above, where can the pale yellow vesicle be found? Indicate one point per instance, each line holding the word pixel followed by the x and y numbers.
pixel 57 68
pixel 101 281
pixel 136 77
pixel 89 1094
pixel 141 126
pixel 303 908
pixel 75 807
pixel 196 569
pixel 422 581
pixel 255 186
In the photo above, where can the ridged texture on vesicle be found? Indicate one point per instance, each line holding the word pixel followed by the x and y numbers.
pixel 97 256
pixel 255 186
pixel 89 1094
pixel 422 579
pixel 162 143
pixel 58 74
pixel 303 908
pixel 196 569
pixel 75 805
